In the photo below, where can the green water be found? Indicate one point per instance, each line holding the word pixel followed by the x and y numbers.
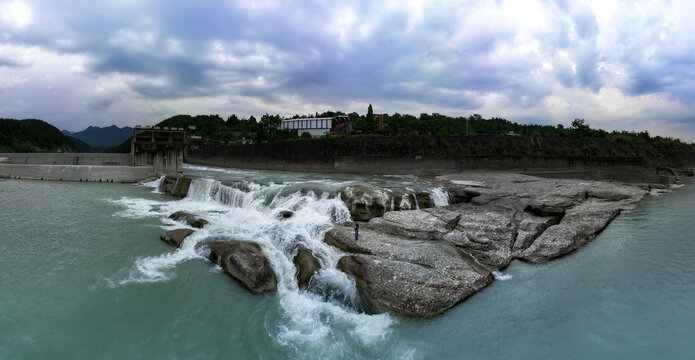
pixel 66 250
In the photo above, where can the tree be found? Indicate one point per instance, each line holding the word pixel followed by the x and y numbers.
pixel 305 135
pixel 268 126
pixel 232 120
pixel 578 124
pixel 370 124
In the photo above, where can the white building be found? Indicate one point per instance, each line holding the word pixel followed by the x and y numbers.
pixel 314 126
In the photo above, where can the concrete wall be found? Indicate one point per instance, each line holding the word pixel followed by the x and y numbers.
pixel 65 158
pixel 165 159
pixel 98 173
pixel 384 155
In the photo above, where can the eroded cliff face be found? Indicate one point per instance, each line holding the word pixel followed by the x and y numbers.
pixel 422 262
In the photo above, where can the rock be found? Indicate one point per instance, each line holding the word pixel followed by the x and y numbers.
pixel 182 185
pixel 405 276
pixel 285 214
pixel 188 218
pixel 486 232
pixel 422 224
pixel 613 192
pixel 176 237
pixel 176 184
pixel 307 265
pixel 460 193
pixel 559 200
pixel 245 262
pixel 366 202
pixel 579 226
pixel 530 227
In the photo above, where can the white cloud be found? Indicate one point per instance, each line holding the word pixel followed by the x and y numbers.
pixel 17 14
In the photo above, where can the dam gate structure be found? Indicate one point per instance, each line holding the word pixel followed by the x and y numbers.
pixel 161 147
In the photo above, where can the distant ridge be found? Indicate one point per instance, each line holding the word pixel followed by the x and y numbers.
pixel 105 137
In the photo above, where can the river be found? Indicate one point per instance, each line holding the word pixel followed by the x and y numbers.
pixel 83 275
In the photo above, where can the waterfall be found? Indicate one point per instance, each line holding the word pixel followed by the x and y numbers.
pixel 156 185
pixel 417 206
pixel 439 196
pixel 248 211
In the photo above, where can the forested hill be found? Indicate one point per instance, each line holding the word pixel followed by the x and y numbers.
pixel 32 135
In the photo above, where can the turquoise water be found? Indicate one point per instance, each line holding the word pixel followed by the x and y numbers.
pixel 83 275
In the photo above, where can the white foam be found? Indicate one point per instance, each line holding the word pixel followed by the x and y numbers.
pixel 155 185
pixel 249 211
pixel 501 276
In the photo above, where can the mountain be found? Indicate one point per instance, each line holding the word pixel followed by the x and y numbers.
pixel 105 137
pixel 32 135
pixel 81 146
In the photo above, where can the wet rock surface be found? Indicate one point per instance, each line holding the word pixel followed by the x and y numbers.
pixel 189 219
pixel 422 262
pixel 307 265
pixel 368 202
pixel 245 262
pixel 176 237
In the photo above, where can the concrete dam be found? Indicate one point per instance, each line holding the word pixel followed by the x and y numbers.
pixel 154 152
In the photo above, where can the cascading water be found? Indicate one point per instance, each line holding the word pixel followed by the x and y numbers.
pixel 247 211
pixel 439 196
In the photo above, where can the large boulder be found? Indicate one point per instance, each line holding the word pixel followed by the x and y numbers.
pixel 176 237
pixel 307 265
pixel 405 276
pixel 245 262
pixel 188 218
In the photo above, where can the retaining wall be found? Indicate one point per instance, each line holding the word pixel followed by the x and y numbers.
pixel 66 158
pixel 98 173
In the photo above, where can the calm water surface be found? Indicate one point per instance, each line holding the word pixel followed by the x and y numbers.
pixel 83 275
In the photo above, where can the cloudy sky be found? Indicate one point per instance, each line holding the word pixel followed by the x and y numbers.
pixel 617 64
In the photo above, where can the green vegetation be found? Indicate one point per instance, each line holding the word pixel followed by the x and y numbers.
pixel 32 135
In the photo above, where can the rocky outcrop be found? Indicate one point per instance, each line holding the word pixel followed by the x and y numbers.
pixel 176 237
pixel 406 276
pixel 421 262
pixel 245 262
pixel 307 265
pixel 189 219
pixel 368 202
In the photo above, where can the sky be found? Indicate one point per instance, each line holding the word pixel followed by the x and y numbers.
pixel 620 65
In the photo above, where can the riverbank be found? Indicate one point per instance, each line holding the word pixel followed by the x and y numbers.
pixel 428 155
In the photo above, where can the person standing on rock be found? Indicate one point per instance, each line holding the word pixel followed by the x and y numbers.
pixel 357 231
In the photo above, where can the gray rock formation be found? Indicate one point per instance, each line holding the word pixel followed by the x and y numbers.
pixel 188 218
pixel 421 262
pixel 176 237
pixel 368 202
pixel 307 265
pixel 245 262
pixel 410 277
